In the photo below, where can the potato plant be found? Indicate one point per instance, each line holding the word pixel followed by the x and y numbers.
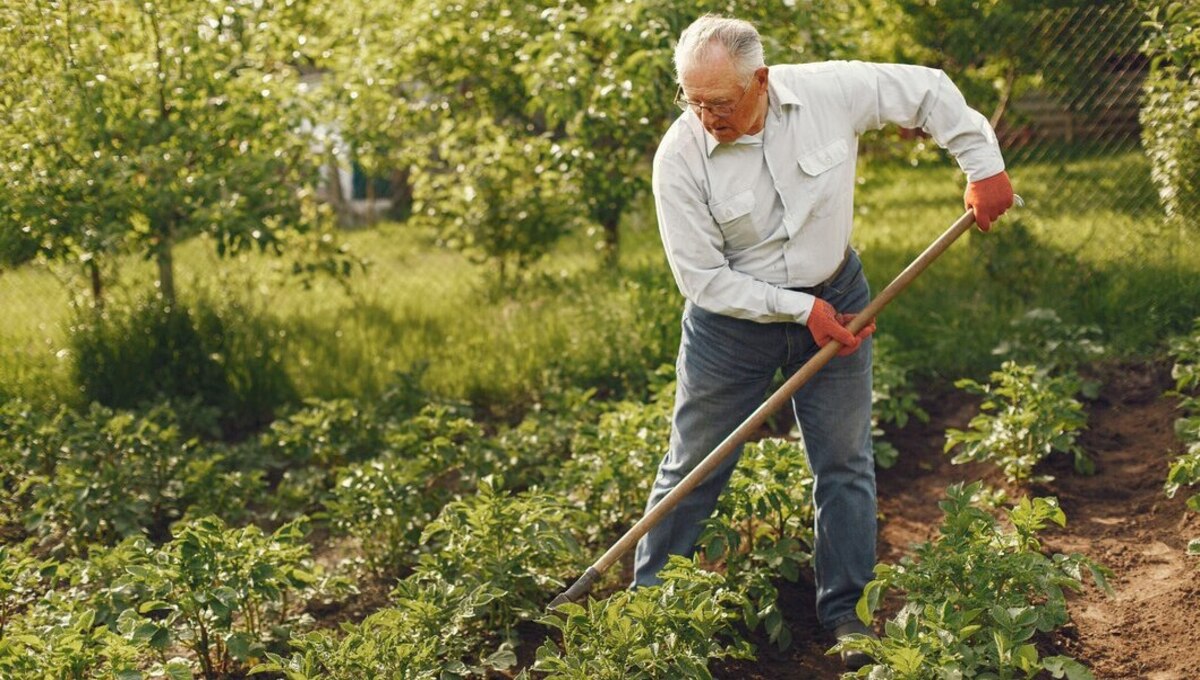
pixel 976 595
pixel 1185 469
pixel 667 631
pixel 893 398
pixel 533 451
pixel 325 434
pixel 763 529
pixel 522 545
pixel 612 464
pixel 103 475
pixel 225 594
pixel 429 633
pixel 499 557
pixel 74 648
pixel 22 579
pixel 385 503
pixel 1025 416
pixel 1041 337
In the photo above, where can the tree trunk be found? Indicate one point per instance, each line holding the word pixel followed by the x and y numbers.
pixel 612 242
pixel 402 196
pixel 166 265
pixel 370 200
pixel 1005 94
pixel 97 287
pixel 336 197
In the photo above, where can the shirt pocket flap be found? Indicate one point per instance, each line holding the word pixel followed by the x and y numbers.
pixel 824 158
pixel 729 209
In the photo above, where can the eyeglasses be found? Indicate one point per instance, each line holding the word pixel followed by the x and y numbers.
pixel 718 110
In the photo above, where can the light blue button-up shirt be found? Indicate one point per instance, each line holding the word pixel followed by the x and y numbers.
pixel 744 221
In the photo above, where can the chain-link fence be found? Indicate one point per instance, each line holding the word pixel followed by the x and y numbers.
pixel 1076 134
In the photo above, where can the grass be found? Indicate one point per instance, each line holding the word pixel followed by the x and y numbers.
pixel 1089 244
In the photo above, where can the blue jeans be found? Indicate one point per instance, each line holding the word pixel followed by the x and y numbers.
pixel 724 370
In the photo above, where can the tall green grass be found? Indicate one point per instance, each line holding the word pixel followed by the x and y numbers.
pixel 426 312
pixel 1109 261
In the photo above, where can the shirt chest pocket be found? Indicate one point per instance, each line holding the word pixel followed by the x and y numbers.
pixel 819 170
pixel 733 215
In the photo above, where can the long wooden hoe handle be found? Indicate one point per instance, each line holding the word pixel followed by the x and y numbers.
pixel 755 420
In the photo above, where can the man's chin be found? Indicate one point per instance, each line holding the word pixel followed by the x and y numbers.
pixel 725 135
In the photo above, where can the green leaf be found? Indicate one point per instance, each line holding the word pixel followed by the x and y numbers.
pixel 1065 666
pixel 242 646
pixel 501 659
pixel 868 602
pixel 154 606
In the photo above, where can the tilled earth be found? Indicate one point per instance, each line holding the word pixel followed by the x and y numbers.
pixel 1119 517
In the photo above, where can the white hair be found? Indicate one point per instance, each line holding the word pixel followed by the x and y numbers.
pixel 739 38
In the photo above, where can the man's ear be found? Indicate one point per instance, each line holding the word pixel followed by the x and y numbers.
pixel 761 75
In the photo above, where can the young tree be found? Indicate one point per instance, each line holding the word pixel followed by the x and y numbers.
pixel 135 124
pixel 601 74
pixel 432 89
pixel 1170 112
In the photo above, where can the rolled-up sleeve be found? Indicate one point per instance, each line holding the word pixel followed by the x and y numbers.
pixel 921 97
pixel 694 247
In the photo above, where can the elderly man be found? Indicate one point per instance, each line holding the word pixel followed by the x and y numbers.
pixel 754 188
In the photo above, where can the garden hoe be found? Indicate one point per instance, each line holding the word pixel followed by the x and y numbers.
pixel 579 590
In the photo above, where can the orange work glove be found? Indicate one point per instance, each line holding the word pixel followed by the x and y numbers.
pixel 825 325
pixel 989 198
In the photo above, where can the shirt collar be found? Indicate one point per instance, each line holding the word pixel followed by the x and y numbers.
pixel 778 96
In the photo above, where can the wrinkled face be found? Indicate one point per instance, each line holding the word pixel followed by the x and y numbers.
pixel 713 82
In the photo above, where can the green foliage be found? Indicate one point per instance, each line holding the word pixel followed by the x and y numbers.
pixel 1170 114
pixel 22 578
pixel 613 462
pixel 995 49
pixel 763 529
pixel 1025 416
pixel 665 631
pixel 428 634
pixel 594 70
pixel 497 556
pixel 498 196
pixel 326 433
pixel 533 451
pixel 1185 469
pixel 223 593
pixel 893 398
pixel 105 474
pixel 141 124
pixel 520 544
pixel 1040 336
pixel 221 355
pixel 99 583
pixel 488 176
pixel 74 647
pixel 386 502
pixel 70 626
pixel 976 595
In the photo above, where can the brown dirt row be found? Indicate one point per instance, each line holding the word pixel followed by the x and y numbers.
pixel 1119 517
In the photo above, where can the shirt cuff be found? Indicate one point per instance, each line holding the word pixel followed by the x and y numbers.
pixel 794 304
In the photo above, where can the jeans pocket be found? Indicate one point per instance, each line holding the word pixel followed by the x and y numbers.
pixel 849 292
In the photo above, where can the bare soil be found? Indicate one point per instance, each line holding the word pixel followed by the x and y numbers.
pixel 1119 517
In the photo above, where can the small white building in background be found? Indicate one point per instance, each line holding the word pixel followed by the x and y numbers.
pixel 343 183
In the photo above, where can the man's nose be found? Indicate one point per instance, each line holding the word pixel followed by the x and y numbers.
pixel 708 117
